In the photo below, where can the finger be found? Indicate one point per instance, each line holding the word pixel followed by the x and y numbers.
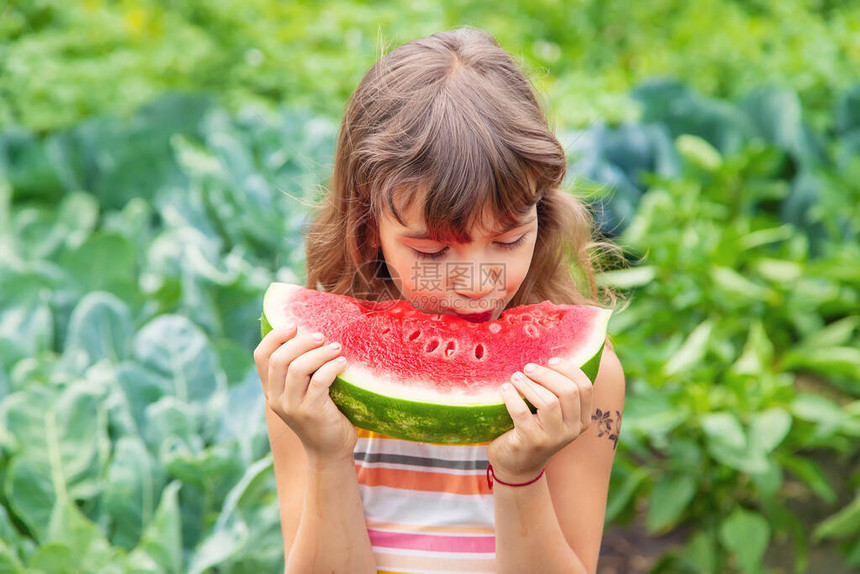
pixel 279 365
pixel 321 381
pixel 273 339
pixel 549 408
pixel 583 384
pixel 518 409
pixel 302 369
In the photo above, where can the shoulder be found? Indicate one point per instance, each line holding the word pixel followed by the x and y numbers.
pixel 609 385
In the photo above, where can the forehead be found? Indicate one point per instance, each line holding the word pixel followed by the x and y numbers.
pixel 413 216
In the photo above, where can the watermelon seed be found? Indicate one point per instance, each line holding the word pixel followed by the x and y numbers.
pixel 479 351
pixel 414 335
pixel 386 330
pixel 431 346
pixel 530 330
pixel 450 348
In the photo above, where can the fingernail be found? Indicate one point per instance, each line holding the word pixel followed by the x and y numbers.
pixel 334 345
pixel 554 361
pixel 507 387
pixel 529 368
pixel 341 359
pixel 289 327
pixel 318 336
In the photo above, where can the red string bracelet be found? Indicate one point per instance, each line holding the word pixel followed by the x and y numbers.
pixel 490 480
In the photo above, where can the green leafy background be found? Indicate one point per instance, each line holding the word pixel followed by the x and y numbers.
pixel 156 164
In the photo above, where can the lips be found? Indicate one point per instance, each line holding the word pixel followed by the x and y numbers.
pixel 476 317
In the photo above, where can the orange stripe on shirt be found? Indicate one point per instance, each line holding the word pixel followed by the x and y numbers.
pixel 422 528
pixel 422 480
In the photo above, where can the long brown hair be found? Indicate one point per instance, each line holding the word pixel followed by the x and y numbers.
pixel 452 121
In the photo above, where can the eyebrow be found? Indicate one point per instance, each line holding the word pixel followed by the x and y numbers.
pixel 424 235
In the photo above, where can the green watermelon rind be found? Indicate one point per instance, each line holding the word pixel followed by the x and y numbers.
pixel 426 422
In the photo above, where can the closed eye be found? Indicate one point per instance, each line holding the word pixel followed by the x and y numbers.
pixel 502 245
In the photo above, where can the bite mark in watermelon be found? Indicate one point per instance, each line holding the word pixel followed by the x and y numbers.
pixel 435 378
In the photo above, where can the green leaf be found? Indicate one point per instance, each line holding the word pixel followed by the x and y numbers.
pixel 767 236
pixel 700 552
pixel 746 534
pixel 100 327
pixel 161 543
pixel 628 278
pixel 818 409
pixel 62 448
pixel 692 350
pixel 92 552
pixel 9 562
pixel 105 262
pixel 768 429
pixel 231 534
pixel 810 472
pixel 174 348
pixel 653 414
pixel 170 417
pixel 54 558
pixel 844 524
pixel 837 334
pixel 128 496
pixel 777 270
pixel 621 496
pixel 757 354
pixel 26 318
pixel 668 499
pixel 740 288
pixel 698 152
pixel 725 429
pixel 727 443
pixel 768 482
pixel 77 218
pixel 839 361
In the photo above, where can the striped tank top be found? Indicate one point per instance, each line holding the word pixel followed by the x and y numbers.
pixel 427 506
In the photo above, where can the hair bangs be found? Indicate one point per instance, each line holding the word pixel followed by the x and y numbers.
pixel 463 171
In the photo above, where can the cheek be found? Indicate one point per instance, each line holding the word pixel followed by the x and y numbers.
pixel 516 270
pixel 514 276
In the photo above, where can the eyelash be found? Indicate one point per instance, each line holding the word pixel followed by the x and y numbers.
pixel 438 254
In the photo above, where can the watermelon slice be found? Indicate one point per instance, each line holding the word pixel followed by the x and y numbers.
pixel 435 378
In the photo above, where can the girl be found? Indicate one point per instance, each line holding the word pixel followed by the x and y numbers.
pixel 446 191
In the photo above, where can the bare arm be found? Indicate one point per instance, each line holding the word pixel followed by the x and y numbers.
pixel 322 517
pixel 555 525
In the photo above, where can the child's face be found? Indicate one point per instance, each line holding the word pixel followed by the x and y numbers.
pixel 474 278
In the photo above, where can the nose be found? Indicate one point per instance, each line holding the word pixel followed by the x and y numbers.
pixel 475 279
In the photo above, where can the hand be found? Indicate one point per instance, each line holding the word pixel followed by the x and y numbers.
pixel 563 396
pixel 296 371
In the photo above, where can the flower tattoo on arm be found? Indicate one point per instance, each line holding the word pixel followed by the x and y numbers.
pixel 607 425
